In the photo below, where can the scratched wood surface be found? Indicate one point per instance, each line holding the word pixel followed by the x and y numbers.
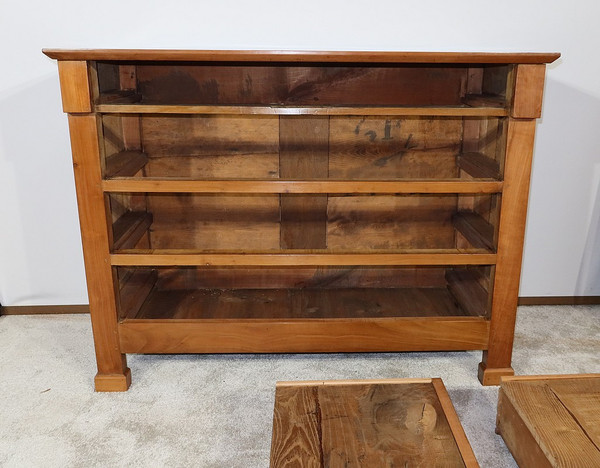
pixel 551 422
pixel 361 425
pixel 301 85
pixel 300 303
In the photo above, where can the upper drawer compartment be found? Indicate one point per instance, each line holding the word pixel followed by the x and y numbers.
pixel 146 146
pixel 300 85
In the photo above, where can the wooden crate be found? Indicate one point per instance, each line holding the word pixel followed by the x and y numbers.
pixel 239 201
pixel 374 423
pixel 551 420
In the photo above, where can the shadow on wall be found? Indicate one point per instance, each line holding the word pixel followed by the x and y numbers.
pixel 588 280
pixel 562 249
pixel 44 264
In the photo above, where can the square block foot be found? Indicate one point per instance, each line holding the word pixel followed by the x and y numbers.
pixel 113 382
pixel 492 375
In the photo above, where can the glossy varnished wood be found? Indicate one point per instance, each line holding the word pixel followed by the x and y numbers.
pixel 370 423
pixel 266 258
pixel 551 421
pixel 517 173
pixel 298 56
pixel 299 186
pixel 113 373
pixel 460 111
pixel 303 335
pixel 74 86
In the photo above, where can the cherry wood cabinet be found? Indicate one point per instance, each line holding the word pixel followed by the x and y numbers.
pixel 280 201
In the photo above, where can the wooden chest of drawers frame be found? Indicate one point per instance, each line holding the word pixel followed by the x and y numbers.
pixel 373 201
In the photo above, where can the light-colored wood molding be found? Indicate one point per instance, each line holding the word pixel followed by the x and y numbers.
pixel 528 92
pixel 300 56
pixel 74 86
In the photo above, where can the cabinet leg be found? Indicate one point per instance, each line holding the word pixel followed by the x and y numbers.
pixel 113 382
pixel 491 375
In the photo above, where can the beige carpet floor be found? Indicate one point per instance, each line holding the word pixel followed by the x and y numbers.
pixel 216 410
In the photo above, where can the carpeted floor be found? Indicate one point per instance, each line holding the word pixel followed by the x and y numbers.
pixel 216 410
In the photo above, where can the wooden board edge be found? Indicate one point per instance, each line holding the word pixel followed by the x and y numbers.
pixel 332 383
pixel 510 426
pixel 301 56
pixel 529 378
pixel 464 447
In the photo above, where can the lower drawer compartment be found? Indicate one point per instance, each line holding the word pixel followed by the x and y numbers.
pixel 326 309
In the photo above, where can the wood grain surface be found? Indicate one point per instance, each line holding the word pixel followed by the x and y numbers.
pixel 298 56
pixel 360 425
pixel 555 419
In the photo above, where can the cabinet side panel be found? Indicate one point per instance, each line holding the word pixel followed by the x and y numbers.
pixel 95 238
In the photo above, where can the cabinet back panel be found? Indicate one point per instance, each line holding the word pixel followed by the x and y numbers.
pixel 407 85
pixel 191 221
pixel 349 147
pixel 300 277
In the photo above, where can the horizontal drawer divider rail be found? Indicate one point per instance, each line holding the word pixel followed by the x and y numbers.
pixel 162 258
pixel 460 111
pixel 299 186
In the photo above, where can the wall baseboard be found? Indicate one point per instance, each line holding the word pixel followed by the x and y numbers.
pixel 85 308
pixel 559 300
pixel 45 309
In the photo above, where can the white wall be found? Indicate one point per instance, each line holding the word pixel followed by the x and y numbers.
pixel 40 253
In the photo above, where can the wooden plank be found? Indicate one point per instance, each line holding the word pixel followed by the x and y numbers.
pixel 305 277
pixel 557 431
pixel 476 230
pixel 135 292
pixel 113 373
pixel 125 163
pixel 376 147
pixel 299 303
pixel 266 258
pixel 303 336
pixel 510 250
pixel 464 447
pixel 296 439
pixel 212 146
pixel 130 228
pixel 581 398
pixel 528 92
pixel 299 56
pixel 379 425
pixel 398 422
pixel 479 166
pixel 303 154
pixel 520 441
pixel 299 186
pixel 296 110
pixel 467 290
pixel 333 383
pixel 300 86
pixel 211 222
pixel 391 222
pixel 74 86
pixel 525 378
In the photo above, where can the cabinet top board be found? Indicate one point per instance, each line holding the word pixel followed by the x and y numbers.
pixel 299 56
